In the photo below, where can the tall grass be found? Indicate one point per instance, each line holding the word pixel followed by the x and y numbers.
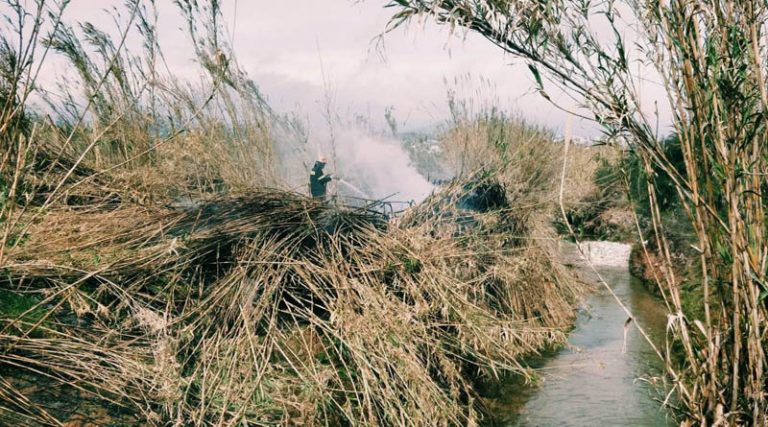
pixel 709 58
pixel 482 136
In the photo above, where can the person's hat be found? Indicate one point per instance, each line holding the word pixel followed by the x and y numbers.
pixel 322 159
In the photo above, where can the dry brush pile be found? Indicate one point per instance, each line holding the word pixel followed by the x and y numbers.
pixel 272 308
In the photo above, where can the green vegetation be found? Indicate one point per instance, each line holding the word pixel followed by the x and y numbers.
pixel 678 234
pixel 23 307
pixel 664 187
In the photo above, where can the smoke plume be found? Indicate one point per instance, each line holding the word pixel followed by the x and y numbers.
pixel 377 166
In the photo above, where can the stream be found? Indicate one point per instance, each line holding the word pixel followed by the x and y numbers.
pixel 597 379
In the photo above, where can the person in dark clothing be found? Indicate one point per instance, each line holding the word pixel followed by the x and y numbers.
pixel 318 180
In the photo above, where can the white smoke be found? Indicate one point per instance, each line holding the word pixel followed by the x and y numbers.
pixel 377 166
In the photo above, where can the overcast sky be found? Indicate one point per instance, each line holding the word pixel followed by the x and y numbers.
pixel 291 48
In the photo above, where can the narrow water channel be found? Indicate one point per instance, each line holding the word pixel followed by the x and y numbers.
pixel 598 379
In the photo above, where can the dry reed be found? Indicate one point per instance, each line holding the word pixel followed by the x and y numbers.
pixel 261 307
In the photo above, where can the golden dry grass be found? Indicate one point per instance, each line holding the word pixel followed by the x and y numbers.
pixel 269 307
pixel 273 308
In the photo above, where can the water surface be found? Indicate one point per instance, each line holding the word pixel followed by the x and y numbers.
pixel 599 379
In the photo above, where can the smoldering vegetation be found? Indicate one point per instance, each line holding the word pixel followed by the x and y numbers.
pixel 267 307
pixel 273 308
